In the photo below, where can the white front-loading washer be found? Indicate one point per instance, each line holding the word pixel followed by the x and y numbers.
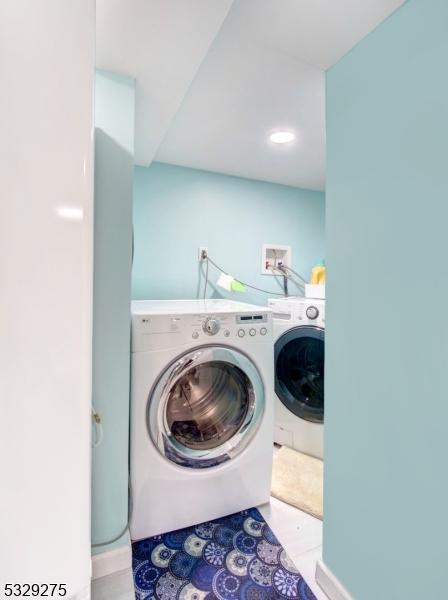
pixel 202 412
pixel 299 362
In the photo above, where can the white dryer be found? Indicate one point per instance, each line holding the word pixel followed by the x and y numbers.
pixel 201 411
pixel 299 336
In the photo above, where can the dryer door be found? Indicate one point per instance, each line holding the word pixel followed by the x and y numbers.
pixel 206 407
pixel 299 372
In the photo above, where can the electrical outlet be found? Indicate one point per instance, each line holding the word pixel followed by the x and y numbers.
pixel 201 251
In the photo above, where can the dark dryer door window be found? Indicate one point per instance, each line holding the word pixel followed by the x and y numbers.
pixel 299 372
pixel 206 407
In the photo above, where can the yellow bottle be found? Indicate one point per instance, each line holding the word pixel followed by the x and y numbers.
pixel 318 273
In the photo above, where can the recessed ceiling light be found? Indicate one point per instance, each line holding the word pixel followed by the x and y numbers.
pixel 282 137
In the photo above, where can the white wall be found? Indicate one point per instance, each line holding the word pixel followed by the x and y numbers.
pixel 46 78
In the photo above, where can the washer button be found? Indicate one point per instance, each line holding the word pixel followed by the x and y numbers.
pixel 195 335
pixel 226 333
pixel 241 333
pixel 252 332
pixel 312 312
pixel 263 331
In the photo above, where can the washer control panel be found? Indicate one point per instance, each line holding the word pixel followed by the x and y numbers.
pixel 302 310
pixel 312 312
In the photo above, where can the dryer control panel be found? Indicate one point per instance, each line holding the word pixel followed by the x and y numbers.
pixel 240 326
pixel 151 332
pixel 211 325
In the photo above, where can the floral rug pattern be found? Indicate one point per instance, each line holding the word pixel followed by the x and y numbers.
pixel 232 558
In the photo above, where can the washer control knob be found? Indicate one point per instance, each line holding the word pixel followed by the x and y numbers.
pixel 241 333
pixel 211 326
pixel 263 331
pixel 195 335
pixel 252 332
pixel 226 333
pixel 312 312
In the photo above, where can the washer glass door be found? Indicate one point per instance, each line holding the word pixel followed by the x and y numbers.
pixel 299 372
pixel 206 407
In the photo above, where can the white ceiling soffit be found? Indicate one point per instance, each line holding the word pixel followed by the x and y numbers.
pixel 241 93
pixel 317 32
pixel 265 71
pixel 162 44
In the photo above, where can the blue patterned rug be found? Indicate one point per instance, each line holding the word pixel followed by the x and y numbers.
pixel 232 558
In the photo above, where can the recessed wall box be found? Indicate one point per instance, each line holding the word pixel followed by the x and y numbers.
pixel 274 255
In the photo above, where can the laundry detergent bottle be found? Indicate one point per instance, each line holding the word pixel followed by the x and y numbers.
pixel 318 273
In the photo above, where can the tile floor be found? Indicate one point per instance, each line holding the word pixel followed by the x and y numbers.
pixel 119 586
pixel 299 533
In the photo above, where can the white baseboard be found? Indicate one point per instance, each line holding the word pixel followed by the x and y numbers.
pixel 112 561
pixel 330 584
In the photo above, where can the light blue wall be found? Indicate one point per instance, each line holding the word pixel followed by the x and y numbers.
pixel 114 164
pixel 386 484
pixel 176 210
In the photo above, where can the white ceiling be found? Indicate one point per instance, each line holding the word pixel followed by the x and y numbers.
pixel 317 32
pixel 161 43
pixel 213 82
pixel 241 92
